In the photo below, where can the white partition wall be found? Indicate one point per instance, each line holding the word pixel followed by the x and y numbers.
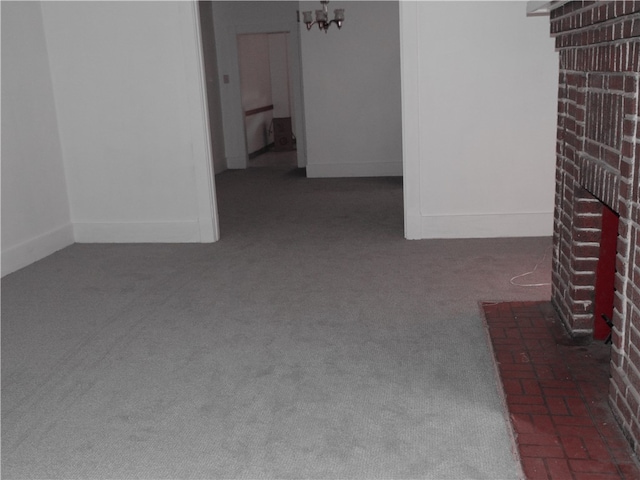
pixel 106 135
pixel 129 91
pixel 352 97
pixel 479 115
pixel 35 209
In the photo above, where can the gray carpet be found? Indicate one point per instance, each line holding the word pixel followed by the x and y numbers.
pixel 311 341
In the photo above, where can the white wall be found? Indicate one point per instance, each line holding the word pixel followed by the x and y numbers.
pixel 279 73
pixel 479 111
pixel 35 209
pixel 255 75
pixel 352 92
pixel 128 86
pixel 106 109
pixel 255 87
pixel 212 86
pixel 240 17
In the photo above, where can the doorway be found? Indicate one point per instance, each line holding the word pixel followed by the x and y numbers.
pixel 223 23
pixel 266 97
pixel 366 105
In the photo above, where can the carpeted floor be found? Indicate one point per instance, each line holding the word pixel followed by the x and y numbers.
pixel 311 341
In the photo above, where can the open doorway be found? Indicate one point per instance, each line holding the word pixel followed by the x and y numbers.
pixel 266 96
pixel 222 23
pixel 348 119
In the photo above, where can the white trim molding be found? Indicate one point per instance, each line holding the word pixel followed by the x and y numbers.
pixel 209 230
pixel 487 225
pixel 411 140
pixel 138 232
pixel 330 170
pixel 19 256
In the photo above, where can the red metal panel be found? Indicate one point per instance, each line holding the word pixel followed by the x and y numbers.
pixel 605 274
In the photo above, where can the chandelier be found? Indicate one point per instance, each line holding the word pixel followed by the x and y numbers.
pixel 322 17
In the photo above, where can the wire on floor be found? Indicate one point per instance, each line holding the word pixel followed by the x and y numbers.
pixel 513 279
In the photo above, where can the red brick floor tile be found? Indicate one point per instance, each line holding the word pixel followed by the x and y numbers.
pixel 545 372
pixel 574 447
pixel 541 451
pixel 629 471
pixel 543 423
pixel 589 390
pixel 536 333
pixel 525 400
pixel 517 371
pixel 512 387
pixel 522 423
pixel 575 421
pixel 597 449
pixel 566 391
pixel 536 344
pixel 538 439
pixel 595 476
pixel 577 406
pixel 513 367
pixel 561 372
pixel 558 468
pixel 532 409
pixel 531 387
pixel 621 456
pixel 512 333
pixel 534 469
pixel 557 406
pixel 553 383
pixel 556 391
pixel 577 431
pixel 541 358
pixel 506 343
pixel 593 466
pixel 611 434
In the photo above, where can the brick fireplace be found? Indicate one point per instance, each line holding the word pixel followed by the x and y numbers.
pixel 597 176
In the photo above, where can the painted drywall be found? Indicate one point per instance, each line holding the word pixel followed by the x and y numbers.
pixel 255 88
pixel 352 92
pixel 255 77
pixel 129 89
pixel 279 73
pixel 35 209
pixel 479 113
pixel 125 109
pixel 239 17
pixel 212 86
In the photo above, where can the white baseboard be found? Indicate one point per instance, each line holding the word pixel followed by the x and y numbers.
pixel 413 227
pixel 487 225
pixel 156 232
pixel 332 170
pixel 19 256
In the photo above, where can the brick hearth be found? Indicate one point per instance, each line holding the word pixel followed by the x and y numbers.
pixel 555 391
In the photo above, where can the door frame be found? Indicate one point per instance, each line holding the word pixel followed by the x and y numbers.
pixel 292 106
pixel 409 71
pixel 207 204
pixel 295 77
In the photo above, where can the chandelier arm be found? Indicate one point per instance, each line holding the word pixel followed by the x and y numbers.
pixel 322 17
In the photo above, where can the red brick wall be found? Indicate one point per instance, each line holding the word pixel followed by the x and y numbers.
pixel 598 154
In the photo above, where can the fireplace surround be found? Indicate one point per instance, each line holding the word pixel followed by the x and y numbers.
pixel 597 155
